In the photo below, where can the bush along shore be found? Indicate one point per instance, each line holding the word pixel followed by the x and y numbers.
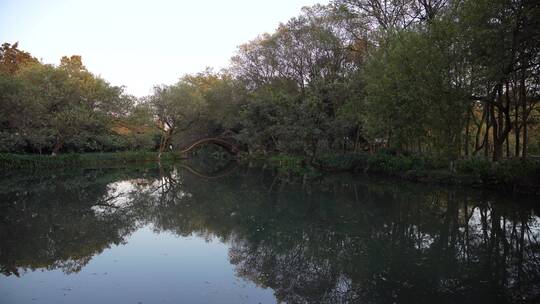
pixel 509 175
pixel 32 161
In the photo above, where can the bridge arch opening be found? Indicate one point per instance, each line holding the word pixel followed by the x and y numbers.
pixel 229 147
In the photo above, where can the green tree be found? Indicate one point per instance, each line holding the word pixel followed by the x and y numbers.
pixel 48 108
pixel 177 108
pixel 297 80
pixel 416 91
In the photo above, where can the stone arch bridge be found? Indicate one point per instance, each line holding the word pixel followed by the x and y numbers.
pixel 225 144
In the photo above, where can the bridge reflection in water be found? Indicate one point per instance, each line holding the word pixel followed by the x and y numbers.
pixel 220 172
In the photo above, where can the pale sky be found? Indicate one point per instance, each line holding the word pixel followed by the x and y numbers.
pixel 141 43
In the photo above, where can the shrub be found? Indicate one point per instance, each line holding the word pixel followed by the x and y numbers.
pixel 289 163
pixel 350 161
pixel 23 161
pixel 30 161
pixel 390 164
pixel 507 173
pixel 478 167
pixel 11 142
pixel 516 171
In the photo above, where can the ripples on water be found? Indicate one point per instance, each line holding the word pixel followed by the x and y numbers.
pixel 170 235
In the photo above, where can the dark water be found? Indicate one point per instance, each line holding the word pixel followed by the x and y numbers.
pixel 168 235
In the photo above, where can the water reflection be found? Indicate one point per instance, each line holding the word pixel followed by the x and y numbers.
pixel 335 240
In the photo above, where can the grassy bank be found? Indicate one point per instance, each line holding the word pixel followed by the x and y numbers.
pixel 512 175
pixel 31 161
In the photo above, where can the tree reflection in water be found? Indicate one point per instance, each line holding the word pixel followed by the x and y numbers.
pixel 335 240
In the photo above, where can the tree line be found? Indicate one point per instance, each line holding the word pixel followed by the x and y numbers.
pixel 446 78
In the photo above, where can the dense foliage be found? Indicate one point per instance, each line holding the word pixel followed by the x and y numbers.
pixel 446 79
pixel 48 109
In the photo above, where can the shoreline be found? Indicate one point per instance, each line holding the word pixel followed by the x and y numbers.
pixel 508 176
pixel 10 161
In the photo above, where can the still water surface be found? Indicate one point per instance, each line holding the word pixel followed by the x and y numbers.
pixel 167 235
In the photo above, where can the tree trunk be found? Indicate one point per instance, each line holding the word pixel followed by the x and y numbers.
pixel 357 139
pixel 488 126
pixel 497 147
pixel 507 118
pixel 57 147
pixel 507 147
pixel 523 98
pixel 467 132
pixel 477 145
pixel 517 129
pixel 502 124
pixel 165 138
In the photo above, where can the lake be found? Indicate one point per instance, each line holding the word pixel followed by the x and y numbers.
pixel 174 234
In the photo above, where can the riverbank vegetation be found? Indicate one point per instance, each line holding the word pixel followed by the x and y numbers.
pixel 453 81
pixel 31 161
pixel 510 175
